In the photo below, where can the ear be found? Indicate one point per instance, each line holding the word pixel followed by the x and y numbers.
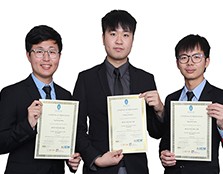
pixel 28 56
pixel 103 39
pixel 207 62
pixel 177 62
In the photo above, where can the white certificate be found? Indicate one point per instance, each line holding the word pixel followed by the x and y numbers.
pixel 56 129
pixel 191 131
pixel 127 123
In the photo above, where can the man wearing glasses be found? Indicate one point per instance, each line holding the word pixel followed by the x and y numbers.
pixel 20 107
pixel 192 58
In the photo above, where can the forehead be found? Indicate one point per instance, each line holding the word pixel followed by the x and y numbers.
pixel 46 44
pixel 194 50
pixel 119 28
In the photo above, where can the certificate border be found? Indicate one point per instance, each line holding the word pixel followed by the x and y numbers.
pixel 110 115
pixel 37 154
pixel 174 104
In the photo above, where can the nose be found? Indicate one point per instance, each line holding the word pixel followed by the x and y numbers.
pixel 46 55
pixel 119 39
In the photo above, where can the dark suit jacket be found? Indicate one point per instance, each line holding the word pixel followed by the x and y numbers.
pixel 16 135
pixel 91 91
pixel 209 93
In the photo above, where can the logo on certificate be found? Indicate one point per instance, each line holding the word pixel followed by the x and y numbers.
pixel 126 101
pixel 58 106
pixel 191 108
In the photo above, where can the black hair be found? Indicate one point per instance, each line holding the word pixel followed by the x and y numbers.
pixel 116 18
pixel 190 42
pixel 42 33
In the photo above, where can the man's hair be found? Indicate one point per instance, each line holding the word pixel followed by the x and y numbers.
pixel 116 18
pixel 190 42
pixel 42 33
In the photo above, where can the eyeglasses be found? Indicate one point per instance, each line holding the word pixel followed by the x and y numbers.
pixel 196 58
pixel 39 53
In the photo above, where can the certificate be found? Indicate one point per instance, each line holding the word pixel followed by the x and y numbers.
pixel 127 123
pixel 191 131
pixel 56 129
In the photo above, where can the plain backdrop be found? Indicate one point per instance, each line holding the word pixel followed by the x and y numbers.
pixel 160 25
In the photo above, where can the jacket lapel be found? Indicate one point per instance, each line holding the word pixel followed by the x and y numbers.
pixel 103 79
pixel 206 94
pixel 32 89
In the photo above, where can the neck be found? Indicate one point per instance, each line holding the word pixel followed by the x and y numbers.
pixel 117 62
pixel 191 84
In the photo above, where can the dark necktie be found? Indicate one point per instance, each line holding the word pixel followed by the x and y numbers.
pixel 118 90
pixel 47 90
pixel 190 95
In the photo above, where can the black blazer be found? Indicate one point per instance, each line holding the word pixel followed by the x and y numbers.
pixel 16 135
pixel 91 90
pixel 209 93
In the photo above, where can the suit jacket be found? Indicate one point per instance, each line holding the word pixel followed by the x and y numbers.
pixel 209 93
pixel 16 135
pixel 91 90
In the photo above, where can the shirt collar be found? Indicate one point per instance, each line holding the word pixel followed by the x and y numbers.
pixel 40 84
pixel 197 91
pixel 122 69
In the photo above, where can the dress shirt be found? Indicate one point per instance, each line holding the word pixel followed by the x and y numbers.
pixel 40 86
pixel 124 77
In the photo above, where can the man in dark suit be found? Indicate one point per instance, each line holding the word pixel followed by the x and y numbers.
pixel 20 107
pixel 95 84
pixel 192 53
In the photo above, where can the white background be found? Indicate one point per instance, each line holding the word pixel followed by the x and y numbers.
pixel 160 25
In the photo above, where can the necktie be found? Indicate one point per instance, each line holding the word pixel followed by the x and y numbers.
pixel 190 95
pixel 118 90
pixel 47 90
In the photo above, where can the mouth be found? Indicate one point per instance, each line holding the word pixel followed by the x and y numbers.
pixel 46 66
pixel 190 71
pixel 118 49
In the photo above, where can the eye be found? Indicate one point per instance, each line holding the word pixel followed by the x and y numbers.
pixel 126 35
pixel 183 57
pixel 39 51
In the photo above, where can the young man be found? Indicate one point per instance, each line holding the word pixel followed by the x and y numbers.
pixel 95 84
pixel 20 107
pixel 192 58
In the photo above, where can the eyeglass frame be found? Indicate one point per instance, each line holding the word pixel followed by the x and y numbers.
pixel 44 51
pixel 191 57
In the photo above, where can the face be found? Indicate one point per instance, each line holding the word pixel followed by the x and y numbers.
pixel 44 68
pixel 193 71
pixel 118 45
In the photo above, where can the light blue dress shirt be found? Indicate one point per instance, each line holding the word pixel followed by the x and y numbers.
pixel 197 93
pixel 40 86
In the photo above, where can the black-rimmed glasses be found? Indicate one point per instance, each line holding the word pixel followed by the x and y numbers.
pixel 196 58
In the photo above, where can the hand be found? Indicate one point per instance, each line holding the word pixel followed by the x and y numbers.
pixel 215 110
pixel 74 161
pixel 152 99
pixel 34 112
pixel 109 159
pixel 167 158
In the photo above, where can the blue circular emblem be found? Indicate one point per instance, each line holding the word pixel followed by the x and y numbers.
pixel 190 107
pixel 126 101
pixel 58 106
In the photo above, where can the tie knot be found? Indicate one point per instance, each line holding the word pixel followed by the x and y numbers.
pixel 190 95
pixel 47 90
pixel 116 72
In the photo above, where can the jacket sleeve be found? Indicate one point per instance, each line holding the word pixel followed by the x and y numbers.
pixel 83 144
pixel 14 130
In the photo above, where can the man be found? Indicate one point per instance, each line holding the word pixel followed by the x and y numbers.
pixel 20 107
pixel 95 84
pixel 192 58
